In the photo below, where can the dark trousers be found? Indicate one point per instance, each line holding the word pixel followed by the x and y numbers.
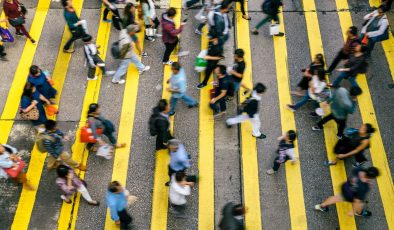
pixel 211 65
pixel 267 19
pixel 340 122
pixel 343 147
pixel 277 164
pixel 190 178
pixel 340 56
pixel 219 106
pixel 92 70
pixel 169 48
pixel 125 219
pixel 190 3
pixel 242 2
pixel 76 34
pixel 159 141
pixel 114 12
pixel 22 29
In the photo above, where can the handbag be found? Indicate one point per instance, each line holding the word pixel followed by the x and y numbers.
pixel 274 29
pixel 201 63
pixel 150 32
pixel 86 134
pixel 364 41
pixel 6 35
pixel 13 172
pixel 52 110
pixel 32 115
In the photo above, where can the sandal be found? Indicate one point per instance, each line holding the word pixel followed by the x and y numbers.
pixel 94 203
pixel 120 145
pixel 246 17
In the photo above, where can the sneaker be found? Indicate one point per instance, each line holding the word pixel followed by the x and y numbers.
pixel 316 128
pixel 271 172
pixel 168 63
pixel 151 39
pixel 109 73
pixel 68 51
pixel 364 213
pixel 92 79
pixel 120 82
pixel 280 34
pixel 196 31
pixel 107 20
pixel 262 136
pixel 145 69
pixel 291 107
pixel 255 32
pixel 228 126
pixel 201 85
pixel 313 114
pixel 33 41
pixel 19 34
pixel 171 113
pixel 144 54
pixel 318 207
pixel 358 164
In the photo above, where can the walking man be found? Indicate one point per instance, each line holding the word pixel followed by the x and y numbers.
pixel 237 72
pixel 179 189
pixel 180 159
pixel 77 27
pixel 159 124
pixel 214 55
pixel 232 217
pixel 271 9
pixel 218 103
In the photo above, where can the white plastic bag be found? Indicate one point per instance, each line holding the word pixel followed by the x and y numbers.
pixel 105 151
pixel 150 32
pixel 274 29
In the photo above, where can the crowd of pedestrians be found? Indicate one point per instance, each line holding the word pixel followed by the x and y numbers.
pixel 39 94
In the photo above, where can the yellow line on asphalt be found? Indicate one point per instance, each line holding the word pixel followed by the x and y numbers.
pixel 338 172
pixel 293 172
pixel 206 195
pixel 160 191
pixel 378 153
pixel 69 212
pixel 37 159
pixel 250 167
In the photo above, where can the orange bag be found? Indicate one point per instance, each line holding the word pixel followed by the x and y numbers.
pixel 51 82
pixel 365 40
pixel 86 134
pixel 52 109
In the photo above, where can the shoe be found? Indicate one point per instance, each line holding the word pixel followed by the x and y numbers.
pixel 145 69
pixel 246 92
pixel 65 199
pixel 246 17
pixel 262 136
pixel 192 106
pixel 120 82
pixel 358 164
pixel 271 172
pixel 107 20
pixel 19 34
pixel 109 73
pixel 33 41
pixel 196 31
pixel 94 203
pixel 316 128
pixel 318 207
pixel 291 107
pixel 82 168
pixel 313 114
pixel 68 51
pixel 228 98
pixel 201 85
pixel 92 79
pixel 144 54
pixel 255 32
pixel 329 163
pixel 168 63
pixel 150 39
pixel 167 183
pixel 280 34
pixel 228 126
pixel 364 213
pixel 171 113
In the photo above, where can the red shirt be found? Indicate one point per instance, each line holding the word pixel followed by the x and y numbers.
pixel 11 10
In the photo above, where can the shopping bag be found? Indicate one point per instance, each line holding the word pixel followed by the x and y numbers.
pixel 86 134
pixel 105 151
pixel 52 109
pixel 274 29
pixel 201 63
pixel 6 35
pixel 13 172
pixel 364 41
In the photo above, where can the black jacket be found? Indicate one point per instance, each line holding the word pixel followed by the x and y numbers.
pixel 163 128
pixel 229 222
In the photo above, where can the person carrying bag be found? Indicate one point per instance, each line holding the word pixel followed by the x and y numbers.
pixel 15 14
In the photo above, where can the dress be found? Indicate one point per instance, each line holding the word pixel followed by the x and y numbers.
pixel 42 85
pixel 26 102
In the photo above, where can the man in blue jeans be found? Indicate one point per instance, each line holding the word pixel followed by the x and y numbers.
pixel 178 88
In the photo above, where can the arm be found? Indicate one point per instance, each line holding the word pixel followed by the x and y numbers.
pixel 162 130
pixel 51 150
pixel 93 127
pixel 220 96
pixel 381 29
pixel 183 190
pixel 88 55
pixel 235 73
pixel 359 148
pixel 30 107
pixel 212 58
pixel 44 99
pixel 172 30
pixel 368 16
pixel 114 212
pixel 291 154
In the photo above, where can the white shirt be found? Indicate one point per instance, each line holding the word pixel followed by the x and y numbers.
pixel 318 85
pixel 178 192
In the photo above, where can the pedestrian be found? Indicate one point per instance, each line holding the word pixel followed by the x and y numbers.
pixel 159 124
pixel 271 9
pixel 219 25
pixel 31 102
pixel 97 122
pixel 375 27
pixel 110 5
pixel 69 183
pixel 250 111
pixel 285 151
pixel 15 14
pixel 232 217
pixel 218 102
pixel 341 105
pixel 179 158
pixel 356 64
pixel 355 191
pixel 126 39
pixel 93 59
pixel 150 19
pixel 348 48
pixel 53 140
pixel 77 27
pixel 315 90
pixel 118 200
pixel 242 4
pixel 9 159
pixel 178 87
pixel 214 55
pixel 129 15
pixel 317 66
pixel 179 189
pixel 237 73
pixel 353 145
pixel 170 33
pixel 42 81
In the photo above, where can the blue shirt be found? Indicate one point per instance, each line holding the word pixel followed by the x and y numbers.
pixel 179 159
pixel 116 202
pixel 178 82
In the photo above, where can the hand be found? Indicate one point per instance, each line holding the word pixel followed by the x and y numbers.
pixel 190 184
pixel 117 222
pixel 215 41
pixel 341 156
pixel 66 138
pixel 213 101
pixel 350 213
pixel 70 187
pixel 152 24
pixel 34 102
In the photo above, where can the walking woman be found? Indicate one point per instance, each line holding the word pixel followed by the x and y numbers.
pixel 42 82
pixel 314 67
pixel 150 18
pixel 129 15
pixel 15 14
pixel 32 99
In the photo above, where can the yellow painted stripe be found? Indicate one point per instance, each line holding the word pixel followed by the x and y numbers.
pixel 338 172
pixel 293 172
pixel 160 192
pixel 37 159
pixel 68 216
pixel 206 196
pixel 378 153
pixel 125 135
pixel 250 168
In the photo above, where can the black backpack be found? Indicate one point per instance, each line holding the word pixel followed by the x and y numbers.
pixel 152 123
pixel 118 52
pixel 269 7
pixel 117 22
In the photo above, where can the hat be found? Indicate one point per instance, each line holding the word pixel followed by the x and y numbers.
pixel 132 28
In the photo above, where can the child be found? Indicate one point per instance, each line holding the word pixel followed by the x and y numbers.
pixel 285 151
pixel 93 59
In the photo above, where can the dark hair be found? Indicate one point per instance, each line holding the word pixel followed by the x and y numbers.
pixel 179 176
pixel 364 48
pixel 353 30
pixel 355 91
pixel 28 90
pixel 162 105
pixel 50 124
pixel 176 65
pixel 383 7
pixel 239 52
pixel 93 108
pixel 320 57
pixel 372 172
pixel 260 88
pixel 64 3
pixel 171 12
pixel 224 5
pixel 222 69
pixel 292 135
pixel 370 129
pixel 113 186
pixel 87 38
pixel 321 74
pixel 238 210
pixel 34 70
pixel 127 8
pixel 62 171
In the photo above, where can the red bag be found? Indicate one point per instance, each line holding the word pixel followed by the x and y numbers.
pixel 365 40
pixel 13 172
pixel 86 134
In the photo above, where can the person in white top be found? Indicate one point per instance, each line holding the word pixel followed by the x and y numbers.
pixel 315 90
pixel 179 189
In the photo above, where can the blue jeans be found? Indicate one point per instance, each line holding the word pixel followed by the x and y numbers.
pixel 303 101
pixel 186 98
pixel 124 64
pixel 342 75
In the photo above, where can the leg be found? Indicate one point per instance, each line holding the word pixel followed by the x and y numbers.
pixel 256 125
pixel 236 120
pixel 325 119
pixel 156 22
pixel 262 22
pixel 70 41
pixel 91 72
pixel 331 200
pixel 276 164
pixel 136 61
pixel 51 164
pixel 64 156
pixel 124 64
pixel 105 14
pixel 85 193
pixel 338 80
pixel 169 48
pixel 170 172
pixel 24 31
pixel 303 101
pixel 188 100
pixel 242 3
pixel 211 65
pixel 214 107
pixel 222 103
pixel 353 82
pixel 173 102
pixel 341 123
pixel 200 26
pixel 359 157
pixel 340 56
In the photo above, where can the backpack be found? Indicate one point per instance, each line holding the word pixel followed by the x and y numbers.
pixel 152 123
pixel 40 142
pixel 118 52
pixel 268 7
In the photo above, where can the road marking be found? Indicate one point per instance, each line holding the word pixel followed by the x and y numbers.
pixel 125 134
pixel 69 212
pixel 37 159
pixel 160 192
pixel 378 153
pixel 206 157
pixel 338 173
pixel 250 168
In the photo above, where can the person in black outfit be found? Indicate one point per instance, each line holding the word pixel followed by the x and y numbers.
pixel 214 55
pixel 317 66
pixel 242 2
pixel 237 73
pixel 110 6
pixel 233 215
pixel 2 53
pixel 162 124
pixel 220 92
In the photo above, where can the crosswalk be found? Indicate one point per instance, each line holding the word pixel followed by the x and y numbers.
pixel 252 171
